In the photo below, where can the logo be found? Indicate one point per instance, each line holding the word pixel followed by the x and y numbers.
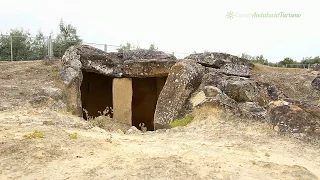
pixel 230 15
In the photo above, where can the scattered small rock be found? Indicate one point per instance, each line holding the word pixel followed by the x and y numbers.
pixel 133 130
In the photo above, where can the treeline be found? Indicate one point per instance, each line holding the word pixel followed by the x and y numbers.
pixel 25 47
pixel 262 60
pixel 130 46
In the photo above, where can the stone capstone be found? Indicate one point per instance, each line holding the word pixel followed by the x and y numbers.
pixel 228 64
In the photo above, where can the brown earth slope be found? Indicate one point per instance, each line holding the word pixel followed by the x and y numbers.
pixel 213 146
pixel 293 82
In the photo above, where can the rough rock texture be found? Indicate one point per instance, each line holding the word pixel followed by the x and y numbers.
pixel 137 63
pixel 316 83
pixel 183 79
pixel 252 110
pixel 147 68
pixel 221 101
pixel 315 67
pixel 229 64
pixel 241 89
pixel 211 91
pixel 295 117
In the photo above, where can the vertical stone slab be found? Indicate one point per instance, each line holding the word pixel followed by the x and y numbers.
pixel 160 81
pixel 122 100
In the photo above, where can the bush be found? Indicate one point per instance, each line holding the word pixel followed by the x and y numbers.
pixel 181 122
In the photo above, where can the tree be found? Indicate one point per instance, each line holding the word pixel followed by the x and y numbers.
pixel 5 50
pixel 287 60
pixel 153 47
pixel 310 60
pixel 255 59
pixel 21 45
pixel 66 38
pixel 38 47
pixel 124 48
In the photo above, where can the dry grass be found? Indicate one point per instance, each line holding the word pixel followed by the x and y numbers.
pixel 295 83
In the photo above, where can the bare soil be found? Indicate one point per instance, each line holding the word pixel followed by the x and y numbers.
pixel 212 146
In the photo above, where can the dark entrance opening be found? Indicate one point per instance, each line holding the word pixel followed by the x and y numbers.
pixel 96 93
pixel 145 95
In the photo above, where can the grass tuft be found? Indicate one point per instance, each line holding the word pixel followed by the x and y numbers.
pixel 73 135
pixel 181 122
pixel 34 135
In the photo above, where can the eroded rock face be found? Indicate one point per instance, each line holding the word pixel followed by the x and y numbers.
pixel 147 68
pixel 295 117
pixel 241 89
pixel 229 64
pixel 315 67
pixel 183 79
pixel 136 63
pixel 316 83
pixel 252 110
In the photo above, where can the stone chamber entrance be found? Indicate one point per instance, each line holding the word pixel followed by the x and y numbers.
pixel 133 100
pixel 96 93
pixel 144 100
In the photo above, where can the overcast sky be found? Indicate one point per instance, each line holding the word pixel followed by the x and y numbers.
pixel 181 26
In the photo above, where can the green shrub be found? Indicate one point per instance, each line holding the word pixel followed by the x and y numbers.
pixel 181 122
pixel 73 135
pixel 34 135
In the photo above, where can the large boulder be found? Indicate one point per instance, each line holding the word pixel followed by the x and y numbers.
pixel 252 110
pixel 147 68
pixel 291 116
pixel 135 63
pixel 229 64
pixel 241 89
pixel 183 79
pixel 316 83
pixel 315 67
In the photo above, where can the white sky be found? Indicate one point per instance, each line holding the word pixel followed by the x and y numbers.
pixel 174 25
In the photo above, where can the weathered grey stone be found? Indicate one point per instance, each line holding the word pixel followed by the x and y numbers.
pixel 68 74
pixel 252 110
pixel 236 69
pixel 183 79
pixel 211 91
pixel 241 89
pixel 148 68
pixel 39 100
pixel 315 67
pixel 145 54
pixel 133 130
pixel 291 117
pixel 316 83
pixel 229 64
pixel 52 92
pixel 222 101
pixel 137 63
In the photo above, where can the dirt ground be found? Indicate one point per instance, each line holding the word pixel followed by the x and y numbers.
pixel 212 146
